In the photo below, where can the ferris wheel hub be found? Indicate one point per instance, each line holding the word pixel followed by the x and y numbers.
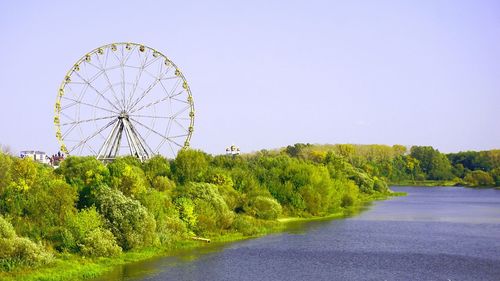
pixel 123 115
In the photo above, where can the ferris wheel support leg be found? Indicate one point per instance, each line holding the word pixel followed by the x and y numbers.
pixel 117 143
pixel 105 147
pixel 147 151
pixel 137 148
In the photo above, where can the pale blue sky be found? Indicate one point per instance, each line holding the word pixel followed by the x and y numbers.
pixel 266 74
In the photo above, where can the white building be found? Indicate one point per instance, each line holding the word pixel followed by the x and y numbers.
pixel 38 156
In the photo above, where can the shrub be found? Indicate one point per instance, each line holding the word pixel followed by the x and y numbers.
pixel 479 178
pixel 249 226
pixel 127 219
pixel 211 212
pixel 380 185
pixel 186 211
pixel 19 251
pixel 264 208
pixel 6 229
pixel 100 243
pixel 245 225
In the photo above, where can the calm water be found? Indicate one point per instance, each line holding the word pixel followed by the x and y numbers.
pixel 432 234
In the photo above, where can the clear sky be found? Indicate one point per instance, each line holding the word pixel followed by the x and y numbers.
pixel 266 74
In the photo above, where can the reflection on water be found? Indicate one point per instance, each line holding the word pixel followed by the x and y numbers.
pixel 432 234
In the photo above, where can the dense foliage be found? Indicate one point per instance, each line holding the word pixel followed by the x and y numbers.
pixel 397 164
pixel 92 209
pixel 88 208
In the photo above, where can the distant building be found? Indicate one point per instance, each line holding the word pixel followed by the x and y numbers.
pixel 233 150
pixel 38 156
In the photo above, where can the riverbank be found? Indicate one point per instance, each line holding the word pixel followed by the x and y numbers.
pixel 435 183
pixel 76 267
pixel 429 183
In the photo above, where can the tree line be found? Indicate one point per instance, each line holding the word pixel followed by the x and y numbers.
pixel 399 165
pixel 91 209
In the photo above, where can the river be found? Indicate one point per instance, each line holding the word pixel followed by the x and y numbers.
pixel 438 233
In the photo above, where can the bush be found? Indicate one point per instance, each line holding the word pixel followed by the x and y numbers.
pixel 264 208
pixel 249 226
pixel 100 243
pixel 85 233
pixel 203 208
pixel 347 200
pixel 479 178
pixel 380 185
pixel 245 225
pixel 127 219
pixel 6 229
pixel 19 251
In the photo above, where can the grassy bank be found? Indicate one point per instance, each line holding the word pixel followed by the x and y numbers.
pixel 429 183
pixel 76 267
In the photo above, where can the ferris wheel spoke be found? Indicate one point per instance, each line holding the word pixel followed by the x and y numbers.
pixel 171 148
pixel 68 131
pixel 93 135
pixel 87 120
pixel 138 77
pixel 178 136
pixel 161 76
pixel 148 128
pixel 149 104
pixel 67 116
pixel 126 104
pixel 106 76
pixel 183 101
pixel 181 111
pixel 143 95
pixel 180 125
pixel 99 93
pixel 150 116
pixel 88 104
pixel 123 64
pixel 170 93
pixel 152 61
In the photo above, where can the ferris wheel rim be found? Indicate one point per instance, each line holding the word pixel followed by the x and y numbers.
pixel 117 109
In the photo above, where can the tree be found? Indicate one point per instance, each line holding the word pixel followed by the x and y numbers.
pixel 5 171
pixel 85 174
pixel 190 165
pixel 479 178
pixel 128 178
pixel 156 166
pixel 434 164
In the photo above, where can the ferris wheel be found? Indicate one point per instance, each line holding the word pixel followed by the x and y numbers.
pixel 124 99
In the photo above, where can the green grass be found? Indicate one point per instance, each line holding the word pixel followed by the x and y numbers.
pixel 430 183
pixel 76 267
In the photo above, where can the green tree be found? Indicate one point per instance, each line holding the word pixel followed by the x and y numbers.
pixel 156 166
pixel 190 165
pixel 128 178
pixel 434 164
pixel 479 178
